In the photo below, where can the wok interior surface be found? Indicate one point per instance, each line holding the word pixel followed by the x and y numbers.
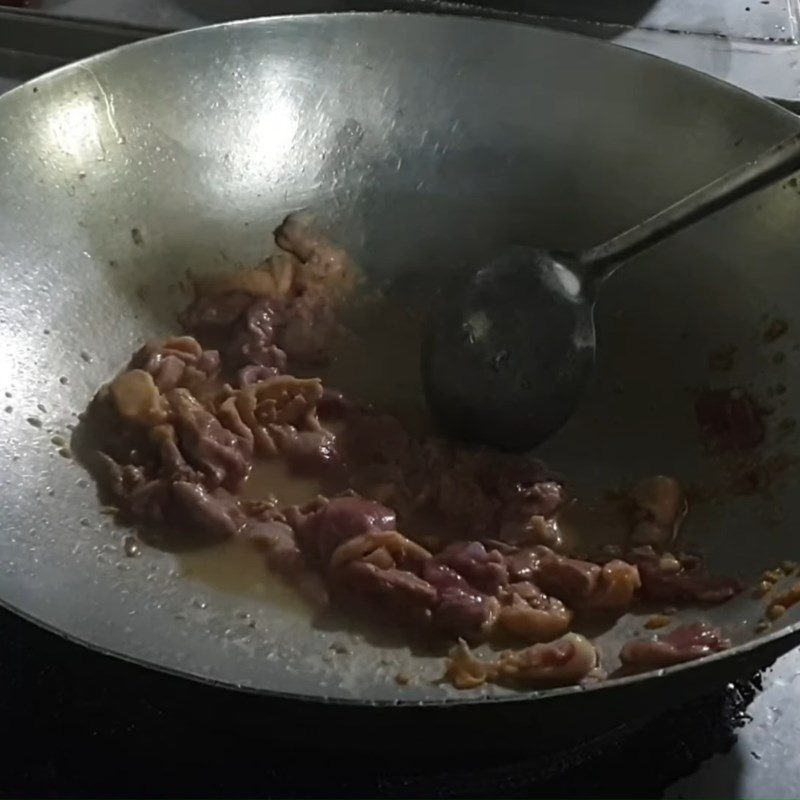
pixel 419 155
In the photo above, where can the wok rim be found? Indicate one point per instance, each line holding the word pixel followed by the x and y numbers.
pixel 469 16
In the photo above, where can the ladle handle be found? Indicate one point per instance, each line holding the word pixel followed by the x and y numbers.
pixel 774 164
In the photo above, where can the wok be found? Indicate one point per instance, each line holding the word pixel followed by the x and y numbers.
pixel 423 143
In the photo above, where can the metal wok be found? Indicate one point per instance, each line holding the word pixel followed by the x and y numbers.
pixel 423 143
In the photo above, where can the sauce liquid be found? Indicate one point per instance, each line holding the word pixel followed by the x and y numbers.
pixel 235 566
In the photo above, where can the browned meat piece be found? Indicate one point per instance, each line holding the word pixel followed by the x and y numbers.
pixel 194 511
pixel 464 613
pixel 322 264
pixel 474 494
pixel 660 507
pixel 485 571
pixel 668 579
pixel 385 592
pixel 487 495
pixel 377 571
pixel 562 662
pixel 173 465
pixel 568 579
pixel 252 413
pixel 616 586
pixel 383 549
pixel 259 316
pixel 368 563
pixel 518 527
pixel 529 614
pixel 386 574
pixel 311 453
pixel 243 328
pixel 222 456
pixel 251 340
pixel 137 399
pixel 308 335
pixel 683 644
pixel 177 361
pixel 254 373
pixel 460 610
pixel 325 525
pixel 203 514
pixel 581 584
pixel 135 493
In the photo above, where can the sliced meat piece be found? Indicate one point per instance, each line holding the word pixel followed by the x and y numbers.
pixel 530 615
pixel 569 579
pixel 380 592
pixel 251 412
pixel 461 610
pixel 177 361
pixel 204 514
pixel 464 612
pixel 137 399
pixel 255 373
pixel 322 263
pixel 252 339
pixel 223 457
pixel 686 643
pixel 308 453
pixel 485 571
pixel 668 579
pixel 565 661
pixel 133 491
pixel 323 527
pixel 580 584
pixel 616 587
pixel 660 508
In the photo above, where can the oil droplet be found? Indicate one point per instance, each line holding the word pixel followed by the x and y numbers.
pixel 131 546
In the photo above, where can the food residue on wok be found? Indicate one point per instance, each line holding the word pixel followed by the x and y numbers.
pixel 458 544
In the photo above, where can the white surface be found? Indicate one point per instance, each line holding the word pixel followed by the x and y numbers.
pixel 765 762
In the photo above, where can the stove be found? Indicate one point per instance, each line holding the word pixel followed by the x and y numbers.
pixel 86 724
pixel 89 725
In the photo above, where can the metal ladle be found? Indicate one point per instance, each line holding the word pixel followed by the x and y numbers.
pixel 507 358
